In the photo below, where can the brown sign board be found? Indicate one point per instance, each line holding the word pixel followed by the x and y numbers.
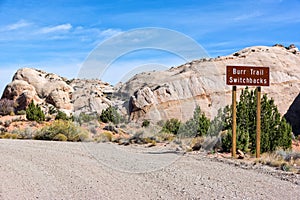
pixel 247 76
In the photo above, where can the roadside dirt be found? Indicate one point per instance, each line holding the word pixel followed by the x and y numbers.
pixel 32 169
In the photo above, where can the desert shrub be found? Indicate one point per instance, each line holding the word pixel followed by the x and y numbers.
pixel 26 133
pixel 3 130
pixel 160 123
pixel 282 159
pixel 10 136
pixel 275 131
pixel 197 143
pixel 150 140
pixel 7 123
pixel 65 127
pixel 164 136
pixel 61 115
pixel 21 112
pixel 106 136
pixel 110 114
pixel 7 106
pixel 52 110
pixel 34 113
pixel 171 126
pixel 81 136
pixel 60 137
pixel 84 118
pixel 137 138
pixel 146 123
pixel 93 129
pixel 197 126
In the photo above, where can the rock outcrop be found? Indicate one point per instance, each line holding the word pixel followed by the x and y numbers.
pixel 161 95
pixel 49 89
pixel 175 93
pixel 90 95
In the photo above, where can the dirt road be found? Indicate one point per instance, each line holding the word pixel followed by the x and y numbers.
pixel 63 170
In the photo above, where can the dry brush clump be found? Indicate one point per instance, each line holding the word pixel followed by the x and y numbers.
pixel 282 159
pixel 25 133
pixel 8 136
pixel 7 107
pixel 105 136
pixel 65 127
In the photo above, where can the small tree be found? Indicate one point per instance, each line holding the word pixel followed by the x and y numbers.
pixel 196 126
pixel 34 113
pixel 110 115
pixel 172 126
pixel 61 115
pixel 275 131
pixel 146 123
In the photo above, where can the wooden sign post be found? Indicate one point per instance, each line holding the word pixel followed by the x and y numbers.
pixel 234 121
pixel 258 92
pixel 247 76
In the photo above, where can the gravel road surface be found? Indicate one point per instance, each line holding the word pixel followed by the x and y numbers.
pixel 63 170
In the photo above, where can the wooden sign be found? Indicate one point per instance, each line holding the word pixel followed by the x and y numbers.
pixel 247 76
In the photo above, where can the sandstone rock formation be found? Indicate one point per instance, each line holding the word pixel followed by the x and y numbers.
pixel 175 93
pixel 90 95
pixel 161 95
pixel 49 89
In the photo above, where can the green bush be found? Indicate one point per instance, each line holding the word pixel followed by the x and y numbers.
pixel 171 126
pixel 52 110
pixel 146 123
pixel 61 115
pixel 275 131
pixel 21 112
pixel 196 126
pixel 34 113
pixel 65 127
pixel 110 115
pixel 85 118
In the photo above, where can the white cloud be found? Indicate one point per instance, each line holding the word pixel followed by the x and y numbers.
pixel 58 28
pixel 20 24
pixel 110 32
pixel 247 16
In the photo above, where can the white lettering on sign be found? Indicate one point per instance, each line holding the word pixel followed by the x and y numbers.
pixel 247 75
pixel 257 72
pixel 237 71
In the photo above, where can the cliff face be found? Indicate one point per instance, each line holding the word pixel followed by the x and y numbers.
pixel 175 93
pixel 162 95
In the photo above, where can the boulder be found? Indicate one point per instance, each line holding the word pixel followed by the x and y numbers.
pixel 21 92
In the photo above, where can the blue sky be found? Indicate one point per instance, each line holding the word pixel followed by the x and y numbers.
pixel 57 36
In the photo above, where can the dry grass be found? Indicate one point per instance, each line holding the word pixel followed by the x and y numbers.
pixel 9 136
pixel 284 160
pixel 105 136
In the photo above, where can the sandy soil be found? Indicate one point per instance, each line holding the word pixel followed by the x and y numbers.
pixel 62 170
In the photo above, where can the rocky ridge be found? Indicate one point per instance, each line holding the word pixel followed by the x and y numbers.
pixel 175 93
pixel 162 95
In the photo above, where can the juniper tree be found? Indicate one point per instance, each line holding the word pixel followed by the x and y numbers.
pixel 275 131
pixel 34 113
pixel 198 125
